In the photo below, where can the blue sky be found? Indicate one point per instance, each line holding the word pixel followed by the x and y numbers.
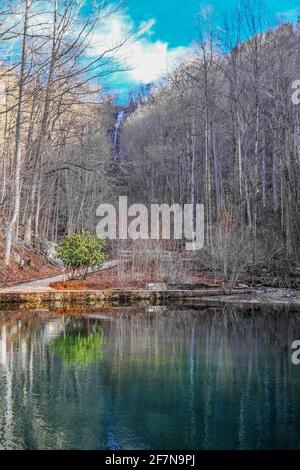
pixel 170 29
pixel 176 19
pixel 167 30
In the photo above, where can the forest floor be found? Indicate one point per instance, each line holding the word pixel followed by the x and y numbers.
pixel 108 279
pixel 37 268
pixel 38 275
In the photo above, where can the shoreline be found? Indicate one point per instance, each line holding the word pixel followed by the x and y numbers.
pixel 121 297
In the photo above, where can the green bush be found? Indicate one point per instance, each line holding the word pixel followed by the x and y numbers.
pixel 79 253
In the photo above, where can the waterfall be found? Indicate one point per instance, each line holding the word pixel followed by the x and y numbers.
pixel 116 133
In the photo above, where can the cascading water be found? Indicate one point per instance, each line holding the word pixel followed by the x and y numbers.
pixel 116 133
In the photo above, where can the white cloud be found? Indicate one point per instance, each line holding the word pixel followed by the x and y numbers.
pixel 145 58
pixel 148 60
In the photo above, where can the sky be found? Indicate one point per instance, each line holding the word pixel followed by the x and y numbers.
pixel 165 35
pixel 169 28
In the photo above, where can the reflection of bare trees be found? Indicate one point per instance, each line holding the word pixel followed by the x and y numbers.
pixel 225 329
pixel 222 363
pixel 197 378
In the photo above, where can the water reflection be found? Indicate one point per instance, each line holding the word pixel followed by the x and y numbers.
pixel 157 378
pixel 79 343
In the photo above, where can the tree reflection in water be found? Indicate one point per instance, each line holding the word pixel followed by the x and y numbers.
pixel 78 349
pixel 206 378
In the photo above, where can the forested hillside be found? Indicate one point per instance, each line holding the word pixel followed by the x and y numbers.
pixel 55 121
pixel 221 129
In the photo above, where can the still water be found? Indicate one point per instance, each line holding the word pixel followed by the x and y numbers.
pixel 217 378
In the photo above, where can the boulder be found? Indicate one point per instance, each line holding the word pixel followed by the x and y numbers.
pixel 48 248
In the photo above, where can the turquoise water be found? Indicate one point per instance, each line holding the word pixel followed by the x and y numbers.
pixel 216 378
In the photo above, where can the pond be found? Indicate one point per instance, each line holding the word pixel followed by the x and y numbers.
pixel 149 378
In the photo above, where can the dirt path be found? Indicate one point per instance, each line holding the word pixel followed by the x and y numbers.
pixel 43 285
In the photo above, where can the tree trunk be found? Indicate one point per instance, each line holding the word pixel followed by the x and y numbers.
pixel 18 150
